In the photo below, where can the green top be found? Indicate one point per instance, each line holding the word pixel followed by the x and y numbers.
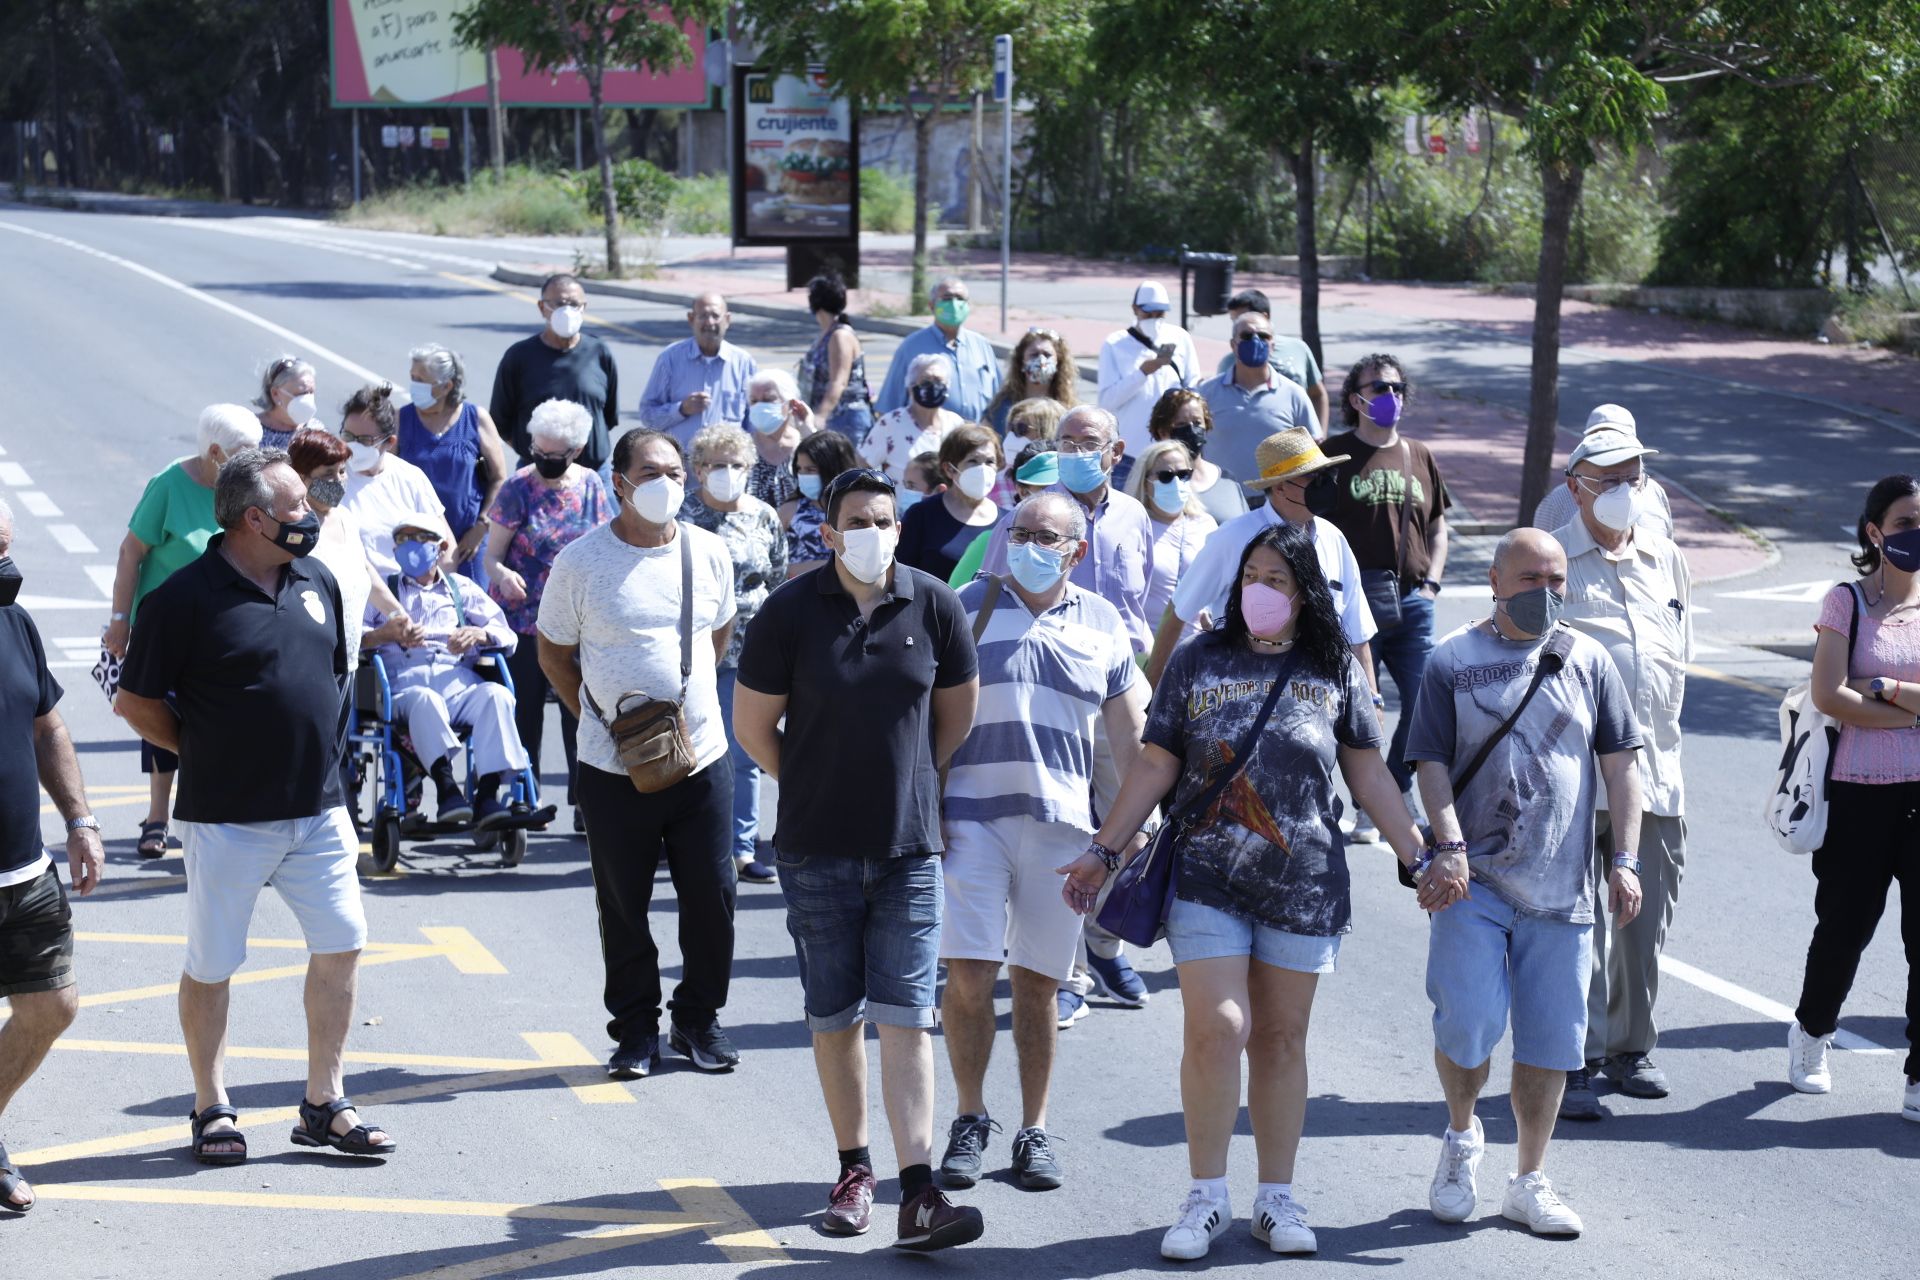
pixel 174 517
pixel 969 566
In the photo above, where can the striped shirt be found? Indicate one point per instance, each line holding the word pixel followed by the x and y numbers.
pixel 682 369
pixel 1042 683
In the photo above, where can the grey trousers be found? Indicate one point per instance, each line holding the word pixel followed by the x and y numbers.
pixel 1106 786
pixel 1626 962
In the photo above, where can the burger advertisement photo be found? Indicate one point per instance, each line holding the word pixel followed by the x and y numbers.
pixel 797 148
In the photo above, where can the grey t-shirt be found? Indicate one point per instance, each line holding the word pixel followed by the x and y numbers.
pixel 1527 816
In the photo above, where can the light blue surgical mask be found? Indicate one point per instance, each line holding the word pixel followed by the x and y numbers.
pixel 904 498
pixel 1083 472
pixel 1172 495
pixel 765 416
pixel 1034 567
pixel 810 486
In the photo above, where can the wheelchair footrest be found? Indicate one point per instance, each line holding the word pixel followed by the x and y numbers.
pixel 522 821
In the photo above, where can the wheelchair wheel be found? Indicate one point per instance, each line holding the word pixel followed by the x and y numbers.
pixel 513 848
pixel 386 843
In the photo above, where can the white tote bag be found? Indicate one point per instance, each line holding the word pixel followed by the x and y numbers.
pixel 1795 811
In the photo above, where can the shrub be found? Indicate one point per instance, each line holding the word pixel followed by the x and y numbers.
pixel 524 202
pixel 886 201
pixel 641 191
pixel 701 206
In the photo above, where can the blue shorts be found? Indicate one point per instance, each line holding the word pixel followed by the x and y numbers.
pixel 1486 962
pixel 867 934
pixel 1196 932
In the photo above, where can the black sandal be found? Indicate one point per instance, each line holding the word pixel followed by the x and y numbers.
pixel 316 1130
pixel 153 840
pixel 10 1181
pixel 201 1138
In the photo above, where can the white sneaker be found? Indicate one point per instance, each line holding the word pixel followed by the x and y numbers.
pixel 1202 1221
pixel 1807 1061
pixel 1365 831
pixel 1454 1192
pixel 1280 1224
pixel 1910 1106
pixel 1532 1200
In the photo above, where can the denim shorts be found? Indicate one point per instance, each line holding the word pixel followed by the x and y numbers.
pixel 1487 962
pixel 1196 932
pixel 867 934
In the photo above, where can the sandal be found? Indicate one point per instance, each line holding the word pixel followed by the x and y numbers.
pixel 316 1130
pixel 153 840
pixel 201 1138
pixel 10 1181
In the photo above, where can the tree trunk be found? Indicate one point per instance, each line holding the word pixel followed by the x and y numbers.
pixel 496 118
pixel 922 147
pixel 609 209
pixel 1562 193
pixel 1307 232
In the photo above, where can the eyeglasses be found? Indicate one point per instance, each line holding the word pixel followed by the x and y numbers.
pixel 1082 446
pixel 352 437
pixel 1380 387
pixel 1168 477
pixel 415 535
pixel 1045 537
pixel 1607 484
pixel 846 480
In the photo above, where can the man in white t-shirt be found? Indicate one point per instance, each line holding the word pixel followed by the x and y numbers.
pixel 383 488
pixel 1143 362
pixel 1293 473
pixel 644 606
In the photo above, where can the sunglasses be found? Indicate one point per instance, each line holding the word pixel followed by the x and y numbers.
pixel 1380 387
pixel 1168 477
pixel 845 480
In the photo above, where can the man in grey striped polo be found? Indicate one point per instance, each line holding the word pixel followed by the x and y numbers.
pixel 1054 658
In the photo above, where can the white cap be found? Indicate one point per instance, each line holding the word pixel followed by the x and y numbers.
pixel 1603 446
pixel 1615 416
pixel 427 520
pixel 1151 295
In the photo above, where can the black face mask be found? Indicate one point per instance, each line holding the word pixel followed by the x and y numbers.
pixel 1193 437
pixel 10 580
pixel 297 537
pixel 1321 493
pixel 930 395
pixel 551 468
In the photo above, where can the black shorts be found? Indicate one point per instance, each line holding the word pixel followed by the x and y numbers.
pixel 36 936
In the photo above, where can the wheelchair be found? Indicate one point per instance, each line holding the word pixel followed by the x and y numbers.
pixel 386 779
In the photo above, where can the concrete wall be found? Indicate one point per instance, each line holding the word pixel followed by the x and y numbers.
pixel 1797 311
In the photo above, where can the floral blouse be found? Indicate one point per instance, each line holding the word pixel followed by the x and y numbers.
pixel 896 439
pixel 773 483
pixel 759 550
pixel 804 543
pixel 543 521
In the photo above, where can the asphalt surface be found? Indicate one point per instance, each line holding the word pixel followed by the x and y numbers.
pixel 480 1021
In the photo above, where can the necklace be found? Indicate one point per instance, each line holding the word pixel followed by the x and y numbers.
pixel 1278 646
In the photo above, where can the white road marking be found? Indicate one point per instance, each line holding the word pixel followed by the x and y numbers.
pixel 71 539
pixel 1792 593
pixel 15 476
pixel 309 242
pixel 38 504
pixel 359 371
pixel 1757 1003
pixel 102 575
pixel 42 604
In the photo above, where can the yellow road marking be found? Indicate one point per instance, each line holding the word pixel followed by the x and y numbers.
pixel 413 949
pixel 369 1057
pixel 1709 673
pixel 543 1254
pixel 732 1230
pixel 46 809
pixel 634 1219
pixel 562 1050
pixel 463 949
pixel 248 978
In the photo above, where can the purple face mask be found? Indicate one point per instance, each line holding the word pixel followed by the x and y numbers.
pixel 1384 409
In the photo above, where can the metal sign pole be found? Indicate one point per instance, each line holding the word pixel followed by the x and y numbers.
pixel 356 155
pixel 1003 93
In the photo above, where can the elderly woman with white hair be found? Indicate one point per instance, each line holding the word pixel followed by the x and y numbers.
pixel 917 427
pixel 540 509
pixel 169 529
pixel 777 420
pixel 288 400
pixel 453 440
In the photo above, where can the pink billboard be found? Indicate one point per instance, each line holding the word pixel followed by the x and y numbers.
pixel 398 53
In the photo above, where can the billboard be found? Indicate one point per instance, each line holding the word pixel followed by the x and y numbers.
pixel 796 160
pixel 401 53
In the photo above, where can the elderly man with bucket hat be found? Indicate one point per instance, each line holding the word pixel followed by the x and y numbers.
pixel 1558 507
pixel 1287 465
pixel 1628 588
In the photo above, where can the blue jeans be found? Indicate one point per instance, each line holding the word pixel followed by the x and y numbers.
pixel 746 774
pixel 1403 650
pixel 867 934
pixel 852 421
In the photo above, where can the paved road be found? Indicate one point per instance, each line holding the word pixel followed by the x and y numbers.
pixel 481 993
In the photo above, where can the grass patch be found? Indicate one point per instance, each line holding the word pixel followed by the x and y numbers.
pixel 524 202
pixel 701 206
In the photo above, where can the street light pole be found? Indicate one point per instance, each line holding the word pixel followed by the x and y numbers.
pixel 1003 93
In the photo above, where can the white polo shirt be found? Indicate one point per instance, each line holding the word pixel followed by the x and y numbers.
pixel 1215 570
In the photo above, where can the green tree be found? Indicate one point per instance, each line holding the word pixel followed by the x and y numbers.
pixel 922 54
pixel 592 37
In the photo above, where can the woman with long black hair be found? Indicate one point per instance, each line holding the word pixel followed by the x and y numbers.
pixel 1262 888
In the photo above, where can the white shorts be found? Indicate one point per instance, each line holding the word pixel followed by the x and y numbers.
pixel 1003 894
pixel 311 861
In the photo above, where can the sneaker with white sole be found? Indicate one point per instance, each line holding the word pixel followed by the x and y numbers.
pixel 1202 1221
pixel 1807 1060
pixel 1532 1200
pixel 1910 1103
pixel 1069 1007
pixel 1280 1224
pixel 1454 1192
pixel 1365 830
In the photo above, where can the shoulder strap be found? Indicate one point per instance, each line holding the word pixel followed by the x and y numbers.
pixel 1243 749
pixel 980 620
pixel 459 606
pixel 1853 624
pixel 1552 658
pixel 686 611
pixel 1406 511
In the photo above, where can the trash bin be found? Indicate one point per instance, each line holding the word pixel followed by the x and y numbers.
pixel 1212 281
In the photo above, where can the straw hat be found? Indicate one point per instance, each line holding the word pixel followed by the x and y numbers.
pixel 1288 455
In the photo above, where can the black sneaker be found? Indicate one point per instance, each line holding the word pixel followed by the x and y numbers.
pixel 1034 1160
pixel 1580 1102
pixel 966 1140
pixel 706 1047
pixel 930 1221
pixel 637 1057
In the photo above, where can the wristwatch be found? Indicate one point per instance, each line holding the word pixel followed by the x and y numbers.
pixel 87 823
pixel 1626 861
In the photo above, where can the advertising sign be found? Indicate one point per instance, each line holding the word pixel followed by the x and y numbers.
pixel 796 160
pixel 399 53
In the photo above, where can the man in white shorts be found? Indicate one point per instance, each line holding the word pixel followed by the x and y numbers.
pixel 249 641
pixel 1053 658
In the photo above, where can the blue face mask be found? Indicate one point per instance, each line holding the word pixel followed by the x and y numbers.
pixel 1083 472
pixel 903 498
pixel 810 486
pixel 1171 495
pixel 1253 351
pixel 1034 567
pixel 416 558
pixel 765 416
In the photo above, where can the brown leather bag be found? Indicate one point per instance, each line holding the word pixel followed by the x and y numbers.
pixel 650 734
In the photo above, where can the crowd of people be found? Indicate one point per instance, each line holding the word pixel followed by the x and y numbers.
pixel 992 641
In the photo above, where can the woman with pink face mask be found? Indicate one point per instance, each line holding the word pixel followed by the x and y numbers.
pixel 1249 723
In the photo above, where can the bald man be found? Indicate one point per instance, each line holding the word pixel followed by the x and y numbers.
pixel 1513 861
pixel 700 380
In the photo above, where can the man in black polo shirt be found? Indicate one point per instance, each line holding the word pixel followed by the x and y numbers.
pixel 872 664
pixel 561 362
pixel 249 639
pixel 36 926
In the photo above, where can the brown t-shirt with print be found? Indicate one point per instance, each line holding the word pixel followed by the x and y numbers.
pixel 1371 486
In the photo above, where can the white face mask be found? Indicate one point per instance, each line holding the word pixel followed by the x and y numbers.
pixel 362 457
pixel 726 484
pixel 422 393
pixel 566 321
pixel 1149 327
pixel 868 552
pixel 1617 508
pixel 658 500
pixel 976 481
pixel 301 409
